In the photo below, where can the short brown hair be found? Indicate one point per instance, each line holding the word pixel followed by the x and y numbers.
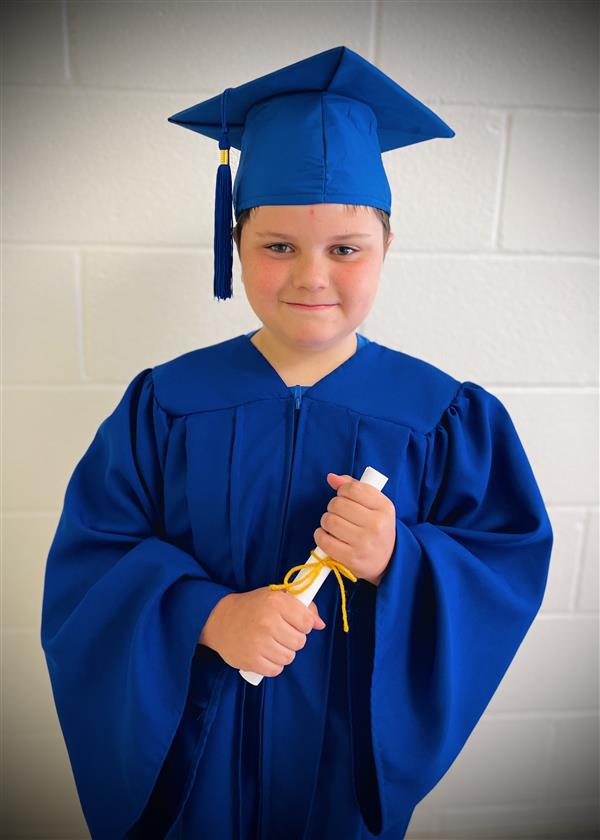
pixel 245 215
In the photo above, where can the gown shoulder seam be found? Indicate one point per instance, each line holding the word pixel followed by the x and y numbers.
pixel 411 428
pixel 457 394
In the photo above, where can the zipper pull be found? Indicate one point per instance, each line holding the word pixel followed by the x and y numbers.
pixel 298 389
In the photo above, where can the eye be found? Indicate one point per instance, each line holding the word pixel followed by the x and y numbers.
pixel 285 245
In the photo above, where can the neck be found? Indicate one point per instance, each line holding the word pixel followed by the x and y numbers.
pixel 303 365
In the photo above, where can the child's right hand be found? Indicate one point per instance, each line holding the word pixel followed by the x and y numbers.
pixel 261 630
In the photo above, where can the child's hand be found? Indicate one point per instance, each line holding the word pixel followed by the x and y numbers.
pixel 261 630
pixel 359 528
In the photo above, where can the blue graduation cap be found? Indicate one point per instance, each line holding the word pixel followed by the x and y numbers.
pixel 310 133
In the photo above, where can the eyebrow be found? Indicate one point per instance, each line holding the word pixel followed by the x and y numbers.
pixel 335 236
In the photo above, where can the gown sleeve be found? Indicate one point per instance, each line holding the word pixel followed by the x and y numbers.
pixel 122 612
pixel 462 588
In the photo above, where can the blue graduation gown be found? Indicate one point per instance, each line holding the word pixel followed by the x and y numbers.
pixel 209 477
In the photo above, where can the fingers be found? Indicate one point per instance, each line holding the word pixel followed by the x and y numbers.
pixel 293 632
pixel 315 619
pixel 291 637
pixel 298 616
pixel 318 621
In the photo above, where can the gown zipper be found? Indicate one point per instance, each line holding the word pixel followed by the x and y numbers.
pixel 298 390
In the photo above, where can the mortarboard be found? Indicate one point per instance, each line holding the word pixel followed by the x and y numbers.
pixel 310 133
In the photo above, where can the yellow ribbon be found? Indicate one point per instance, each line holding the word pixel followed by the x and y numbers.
pixel 296 586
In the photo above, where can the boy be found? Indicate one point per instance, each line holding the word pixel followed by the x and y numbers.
pixel 214 475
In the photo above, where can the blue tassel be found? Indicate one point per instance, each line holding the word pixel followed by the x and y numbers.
pixel 223 241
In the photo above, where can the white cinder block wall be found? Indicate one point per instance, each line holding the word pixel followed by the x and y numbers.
pixel 107 224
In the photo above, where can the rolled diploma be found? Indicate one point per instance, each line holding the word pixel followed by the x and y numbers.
pixel 370 476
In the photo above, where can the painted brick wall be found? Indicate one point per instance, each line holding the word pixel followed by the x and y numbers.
pixel 107 230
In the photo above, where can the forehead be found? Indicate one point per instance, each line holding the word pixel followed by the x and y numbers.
pixel 279 217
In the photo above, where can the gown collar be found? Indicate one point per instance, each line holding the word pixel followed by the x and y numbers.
pixel 322 387
pixel 234 372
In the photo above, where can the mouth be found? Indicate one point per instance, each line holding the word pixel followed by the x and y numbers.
pixel 310 306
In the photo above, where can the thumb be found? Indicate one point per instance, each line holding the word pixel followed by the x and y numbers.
pixel 336 480
pixel 318 621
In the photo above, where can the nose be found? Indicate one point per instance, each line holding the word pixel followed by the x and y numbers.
pixel 311 272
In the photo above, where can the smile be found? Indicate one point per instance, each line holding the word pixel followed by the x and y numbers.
pixel 312 308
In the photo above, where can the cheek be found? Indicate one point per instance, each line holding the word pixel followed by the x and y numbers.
pixel 261 282
pixel 358 283
pixel 269 267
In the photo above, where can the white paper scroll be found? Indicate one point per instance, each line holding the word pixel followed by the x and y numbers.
pixel 370 476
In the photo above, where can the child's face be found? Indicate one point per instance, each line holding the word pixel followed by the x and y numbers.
pixel 320 253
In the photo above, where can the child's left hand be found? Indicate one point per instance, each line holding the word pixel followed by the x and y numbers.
pixel 359 528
